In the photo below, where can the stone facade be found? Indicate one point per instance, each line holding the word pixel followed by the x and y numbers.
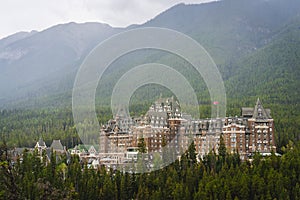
pixel 164 124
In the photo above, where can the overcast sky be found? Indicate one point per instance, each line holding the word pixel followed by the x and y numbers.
pixel 27 15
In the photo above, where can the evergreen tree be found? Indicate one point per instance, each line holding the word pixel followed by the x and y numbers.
pixel 142 150
pixel 191 153
pixel 142 146
pixel 222 148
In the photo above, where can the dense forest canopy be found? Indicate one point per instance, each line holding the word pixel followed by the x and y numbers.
pixel 220 176
pixel 256 46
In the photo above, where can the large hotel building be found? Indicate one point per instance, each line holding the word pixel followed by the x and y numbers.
pixel 164 124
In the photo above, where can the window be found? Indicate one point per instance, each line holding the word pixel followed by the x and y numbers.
pixel 265 131
pixel 258 131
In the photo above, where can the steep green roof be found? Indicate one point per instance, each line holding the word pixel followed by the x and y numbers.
pixel 56 145
pixel 259 112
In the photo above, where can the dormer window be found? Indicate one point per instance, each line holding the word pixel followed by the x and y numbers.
pixel 259 112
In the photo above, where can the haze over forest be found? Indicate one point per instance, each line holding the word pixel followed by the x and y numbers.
pixel 255 45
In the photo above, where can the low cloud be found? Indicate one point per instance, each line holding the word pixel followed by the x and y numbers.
pixel 18 15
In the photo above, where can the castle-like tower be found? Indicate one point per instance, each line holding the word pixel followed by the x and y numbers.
pixel 252 132
pixel 164 124
pixel 260 130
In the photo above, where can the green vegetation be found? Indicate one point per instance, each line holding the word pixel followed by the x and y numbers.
pixel 256 45
pixel 272 73
pixel 22 128
pixel 257 49
pixel 214 177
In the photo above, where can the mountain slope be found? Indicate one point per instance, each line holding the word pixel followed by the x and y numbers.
pixel 48 56
pixel 42 66
pixel 231 28
pixel 272 71
pixel 13 38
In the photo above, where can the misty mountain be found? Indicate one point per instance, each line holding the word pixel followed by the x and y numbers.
pixel 230 29
pixel 13 38
pixel 38 60
pixel 273 71
pixel 42 65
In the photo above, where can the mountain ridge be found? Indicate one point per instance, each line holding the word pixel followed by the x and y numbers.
pixel 255 44
pixel 229 30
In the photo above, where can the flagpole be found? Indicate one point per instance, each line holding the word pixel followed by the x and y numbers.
pixel 217 110
pixel 217 103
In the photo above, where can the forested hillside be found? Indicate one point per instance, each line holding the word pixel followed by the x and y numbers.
pixel 214 177
pixel 272 73
pixel 48 60
pixel 254 43
pixel 256 46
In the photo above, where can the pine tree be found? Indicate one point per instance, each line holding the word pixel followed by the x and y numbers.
pixel 192 156
pixel 178 192
pixel 142 146
pixel 222 148
pixel 141 163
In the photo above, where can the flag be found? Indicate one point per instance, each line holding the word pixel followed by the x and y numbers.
pixel 216 102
